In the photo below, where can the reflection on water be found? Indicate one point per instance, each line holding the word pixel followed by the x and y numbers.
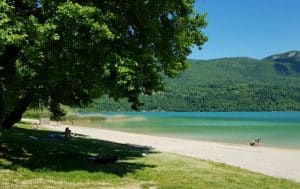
pixel 278 129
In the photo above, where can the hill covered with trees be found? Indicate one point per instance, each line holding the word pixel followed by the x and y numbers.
pixel 226 84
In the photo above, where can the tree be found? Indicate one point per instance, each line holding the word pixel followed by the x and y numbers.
pixel 70 52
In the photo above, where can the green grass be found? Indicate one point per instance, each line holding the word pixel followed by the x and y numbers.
pixel 30 159
pixel 70 117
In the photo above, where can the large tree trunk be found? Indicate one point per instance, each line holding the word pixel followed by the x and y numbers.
pixel 16 114
pixel 1 111
pixel 1 105
pixel 8 75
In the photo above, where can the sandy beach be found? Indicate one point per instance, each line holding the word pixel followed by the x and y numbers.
pixel 282 163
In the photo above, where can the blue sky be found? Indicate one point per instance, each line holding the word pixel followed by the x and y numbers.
pixel 252 28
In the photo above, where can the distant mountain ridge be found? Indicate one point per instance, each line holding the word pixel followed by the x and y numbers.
pixel 283 59
pixel 289 57
pixel 226 84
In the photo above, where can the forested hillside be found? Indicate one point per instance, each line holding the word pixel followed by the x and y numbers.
pixel 227 84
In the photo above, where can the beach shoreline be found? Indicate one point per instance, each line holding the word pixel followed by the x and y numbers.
pixel 277 162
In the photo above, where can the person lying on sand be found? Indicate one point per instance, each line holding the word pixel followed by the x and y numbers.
pixel 68 133
pixel 255 142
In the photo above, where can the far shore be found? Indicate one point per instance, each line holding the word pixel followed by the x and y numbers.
pixel 277 162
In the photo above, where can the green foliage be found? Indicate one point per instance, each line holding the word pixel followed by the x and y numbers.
pixel 228 84
pixel 35 113
pixel 64 164
pixel 70 52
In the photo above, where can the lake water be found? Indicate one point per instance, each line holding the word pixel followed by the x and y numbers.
pixel 275 129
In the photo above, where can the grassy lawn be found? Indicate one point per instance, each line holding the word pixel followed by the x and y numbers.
pixel 32 159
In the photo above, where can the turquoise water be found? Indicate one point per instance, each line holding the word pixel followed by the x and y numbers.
pixel 275 129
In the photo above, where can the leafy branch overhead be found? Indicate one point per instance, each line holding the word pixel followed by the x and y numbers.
pixel 70 52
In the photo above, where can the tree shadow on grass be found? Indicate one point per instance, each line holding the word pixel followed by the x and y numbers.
pixel 34 150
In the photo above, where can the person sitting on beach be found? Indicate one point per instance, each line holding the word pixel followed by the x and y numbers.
pixel 67 132
pixel 255 142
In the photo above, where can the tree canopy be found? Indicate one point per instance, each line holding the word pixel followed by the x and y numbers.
pixel 69 52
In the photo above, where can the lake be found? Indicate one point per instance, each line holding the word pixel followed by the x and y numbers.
pixel 275 129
